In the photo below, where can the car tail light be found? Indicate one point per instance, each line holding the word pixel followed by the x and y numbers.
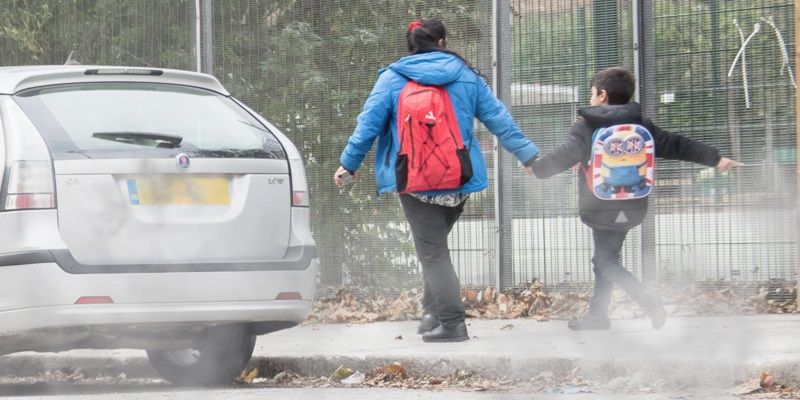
pixel 300 196
pixel 94 300
pixel 30 185
pixel 29 175
pixel 300 199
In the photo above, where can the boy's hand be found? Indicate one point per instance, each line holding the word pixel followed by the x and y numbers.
pixel 725 164
pixel 528 170
pixel 528 166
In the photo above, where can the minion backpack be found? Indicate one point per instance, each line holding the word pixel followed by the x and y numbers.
pixel 622 162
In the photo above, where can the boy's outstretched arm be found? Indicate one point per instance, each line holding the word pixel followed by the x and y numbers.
pixel 563 157
pixel 673 146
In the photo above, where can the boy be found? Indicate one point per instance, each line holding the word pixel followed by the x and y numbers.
pixel 611 220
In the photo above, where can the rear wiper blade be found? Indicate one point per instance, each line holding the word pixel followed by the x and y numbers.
pixel 160 140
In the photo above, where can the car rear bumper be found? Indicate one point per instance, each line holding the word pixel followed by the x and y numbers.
pixel 296 258
pixel 41 296
pixel 166 314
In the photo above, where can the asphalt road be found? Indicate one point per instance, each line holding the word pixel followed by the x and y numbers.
pixel 130 392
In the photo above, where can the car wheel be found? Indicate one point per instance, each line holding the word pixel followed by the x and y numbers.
pixel 220 356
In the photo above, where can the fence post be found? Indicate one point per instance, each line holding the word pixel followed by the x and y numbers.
pixel 204 35
pixel 208 36
pixel 645 69
pixel 501 84
pixel 797 156
pixel 198 22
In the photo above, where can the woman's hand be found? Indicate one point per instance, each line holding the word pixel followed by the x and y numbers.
pixel 340 178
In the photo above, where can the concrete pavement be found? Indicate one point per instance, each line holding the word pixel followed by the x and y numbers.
pixel 702 353
pixel 134 393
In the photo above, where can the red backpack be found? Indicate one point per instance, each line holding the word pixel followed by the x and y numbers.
pixel 432 155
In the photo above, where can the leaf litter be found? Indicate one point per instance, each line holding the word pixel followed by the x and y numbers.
pixel 354 306
pixel 395 375
pixel 766 387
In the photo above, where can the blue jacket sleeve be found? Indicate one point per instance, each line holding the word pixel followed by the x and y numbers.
pixel 494 115
pixel 369 124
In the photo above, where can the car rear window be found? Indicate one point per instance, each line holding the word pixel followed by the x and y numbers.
pixel 119 120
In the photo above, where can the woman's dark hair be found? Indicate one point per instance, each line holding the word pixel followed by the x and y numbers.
pixel 424 37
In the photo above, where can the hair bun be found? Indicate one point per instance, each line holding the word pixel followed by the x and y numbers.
pixel 414 25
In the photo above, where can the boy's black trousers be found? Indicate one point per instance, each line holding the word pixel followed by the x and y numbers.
pixel 608 271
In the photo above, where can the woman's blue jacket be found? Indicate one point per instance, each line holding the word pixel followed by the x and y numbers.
pixel 471 98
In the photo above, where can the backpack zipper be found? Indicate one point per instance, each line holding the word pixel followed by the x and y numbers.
pixel 411 134
pixel 453 135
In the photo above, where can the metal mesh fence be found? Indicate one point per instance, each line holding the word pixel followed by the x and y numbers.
pixel 558 46
pixel 739 226
pixel 308 66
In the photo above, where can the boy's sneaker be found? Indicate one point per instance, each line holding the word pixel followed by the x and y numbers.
pixel 429 322
pixel 590 323
pixel 654 308
pixel 442 333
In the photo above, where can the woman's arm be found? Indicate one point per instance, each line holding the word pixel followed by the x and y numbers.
pixel 370 123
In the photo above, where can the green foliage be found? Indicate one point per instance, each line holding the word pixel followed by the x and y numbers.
pixel 21 24
pixel 317 62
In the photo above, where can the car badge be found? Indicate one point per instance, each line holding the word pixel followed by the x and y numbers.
pixel 183 161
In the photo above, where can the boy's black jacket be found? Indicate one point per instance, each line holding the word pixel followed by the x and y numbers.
pixel 605 214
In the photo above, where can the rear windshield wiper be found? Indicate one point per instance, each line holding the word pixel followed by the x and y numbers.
pixel 160 140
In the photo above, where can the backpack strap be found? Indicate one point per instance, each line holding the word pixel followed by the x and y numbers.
pixel 588 163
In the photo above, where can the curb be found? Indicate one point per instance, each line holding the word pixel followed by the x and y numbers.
pixel 33 364
pixel 615 375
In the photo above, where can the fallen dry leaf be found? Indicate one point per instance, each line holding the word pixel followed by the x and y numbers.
pixel 396 369
pixel 246 377
pixel 767 381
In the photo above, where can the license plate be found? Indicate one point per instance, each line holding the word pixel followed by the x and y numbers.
pixel 178 190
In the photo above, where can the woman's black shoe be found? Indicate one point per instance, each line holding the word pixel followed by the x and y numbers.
pixel 429 323
pixel 590 323
pixel 442 333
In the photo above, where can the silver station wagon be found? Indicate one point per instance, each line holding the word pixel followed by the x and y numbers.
pixel 148 209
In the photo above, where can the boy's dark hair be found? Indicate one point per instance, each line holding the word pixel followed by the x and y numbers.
pixel 619 84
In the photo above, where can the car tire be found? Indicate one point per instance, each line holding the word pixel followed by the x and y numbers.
pixel 221 354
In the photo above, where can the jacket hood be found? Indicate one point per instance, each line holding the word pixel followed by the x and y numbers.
pixel 607 115
pixel 433 68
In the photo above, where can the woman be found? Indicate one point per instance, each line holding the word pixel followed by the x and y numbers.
pixel 431 214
